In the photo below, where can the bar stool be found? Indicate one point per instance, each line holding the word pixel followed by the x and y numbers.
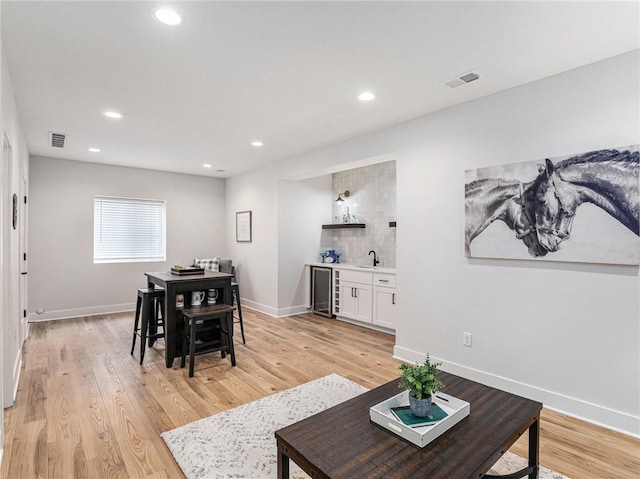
pixel 235 291
pixel 149 305
pixel 201 323
pixel 226 266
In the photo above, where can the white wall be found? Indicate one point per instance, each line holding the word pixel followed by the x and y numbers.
pixel 63 280
pixel 256 262
pixel 567 334
pixel 303 206
pixel 14 169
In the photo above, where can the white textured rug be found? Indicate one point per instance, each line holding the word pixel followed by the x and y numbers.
pixel 240 443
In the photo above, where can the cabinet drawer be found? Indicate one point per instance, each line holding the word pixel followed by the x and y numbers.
pixel 355 276
pixel 388 280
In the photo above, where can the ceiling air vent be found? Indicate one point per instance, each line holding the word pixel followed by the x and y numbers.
pixel 461 79
pixel 56 140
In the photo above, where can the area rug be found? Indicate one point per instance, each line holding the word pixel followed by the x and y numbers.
pixel 240 443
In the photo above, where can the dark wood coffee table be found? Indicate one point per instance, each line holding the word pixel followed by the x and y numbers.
pixel 342 443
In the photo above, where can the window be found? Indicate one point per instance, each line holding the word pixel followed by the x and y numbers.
pixel 127 230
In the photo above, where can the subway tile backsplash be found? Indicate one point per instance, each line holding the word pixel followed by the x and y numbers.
pixel 372 201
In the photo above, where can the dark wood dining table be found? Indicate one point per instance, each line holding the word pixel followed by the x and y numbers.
pixel 185 284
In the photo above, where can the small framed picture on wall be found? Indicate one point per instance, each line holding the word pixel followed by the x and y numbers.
pixel 243 227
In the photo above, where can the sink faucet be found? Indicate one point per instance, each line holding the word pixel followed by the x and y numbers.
pixel 375 258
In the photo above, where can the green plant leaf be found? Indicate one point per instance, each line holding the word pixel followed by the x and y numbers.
pixel 420 379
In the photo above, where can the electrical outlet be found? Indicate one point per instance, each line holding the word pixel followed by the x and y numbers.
pixel 466 339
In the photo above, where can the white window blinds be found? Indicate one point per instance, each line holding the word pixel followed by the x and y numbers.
pixel 128 230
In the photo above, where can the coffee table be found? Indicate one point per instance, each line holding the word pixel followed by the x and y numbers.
pixel 341 442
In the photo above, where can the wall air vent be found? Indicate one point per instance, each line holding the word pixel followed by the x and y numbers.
pixel 461 79
pixel 56 140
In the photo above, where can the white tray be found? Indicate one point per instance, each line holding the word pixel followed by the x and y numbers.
pixel 456 409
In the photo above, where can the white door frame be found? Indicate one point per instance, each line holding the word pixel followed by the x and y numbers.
pixel 8 322
pixel 2 281
pixel 22 219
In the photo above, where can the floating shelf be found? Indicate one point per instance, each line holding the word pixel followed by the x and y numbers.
pixel 392 224
pixel 343 226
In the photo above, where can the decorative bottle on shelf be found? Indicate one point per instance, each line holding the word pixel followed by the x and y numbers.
pixel 346 218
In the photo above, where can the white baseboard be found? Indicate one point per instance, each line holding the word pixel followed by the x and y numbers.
pixel 262 308
pixel 120 308
pixel 585 411
pixel 273 312
pixel 292 311
pixel 74 313
pixel 17 369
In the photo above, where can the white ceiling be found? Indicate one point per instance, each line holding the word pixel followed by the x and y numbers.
pixel 286 73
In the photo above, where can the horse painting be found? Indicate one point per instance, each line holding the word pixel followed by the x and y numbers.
pixel 491 199
pixel 541 208
pixel 606 178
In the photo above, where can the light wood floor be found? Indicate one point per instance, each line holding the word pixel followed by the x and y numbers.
pixel 85 408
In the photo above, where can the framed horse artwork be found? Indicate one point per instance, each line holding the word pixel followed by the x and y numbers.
pixel 580 208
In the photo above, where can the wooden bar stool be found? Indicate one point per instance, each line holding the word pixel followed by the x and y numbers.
pixel 201 325
pixel 148 306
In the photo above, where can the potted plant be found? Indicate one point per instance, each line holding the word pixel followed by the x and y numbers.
pixel 421 380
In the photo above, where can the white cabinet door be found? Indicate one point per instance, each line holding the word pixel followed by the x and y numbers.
pixel 384 308
pixel 364 301
pixel 348 301
pixel 356 301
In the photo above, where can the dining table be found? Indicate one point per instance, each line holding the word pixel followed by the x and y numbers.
pixel 176 284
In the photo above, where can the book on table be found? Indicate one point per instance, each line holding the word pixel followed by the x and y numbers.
pixel 405 416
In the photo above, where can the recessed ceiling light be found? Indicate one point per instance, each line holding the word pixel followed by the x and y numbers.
pixel 167 16
pixel 113 114
pixel 207 165
pixel 257 143
pixel 94 150
pixel 366 96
